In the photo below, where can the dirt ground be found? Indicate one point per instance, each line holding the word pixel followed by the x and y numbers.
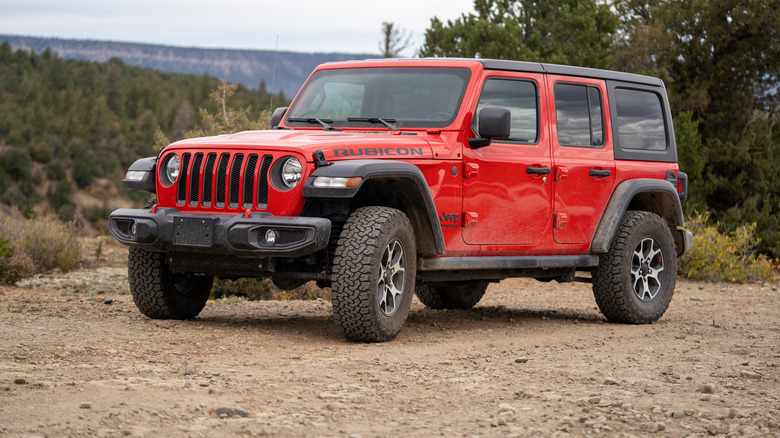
pixel 532 359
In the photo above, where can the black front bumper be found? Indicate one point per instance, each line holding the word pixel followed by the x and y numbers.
pixel 169 230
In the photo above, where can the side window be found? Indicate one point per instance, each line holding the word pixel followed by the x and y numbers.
pixel 520 98
pixel 579 115
pixel 640 120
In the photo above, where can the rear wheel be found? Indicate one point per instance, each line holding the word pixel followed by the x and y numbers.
pixel 461 296
pixel 160 294
pixel 635 280
pixel 374 269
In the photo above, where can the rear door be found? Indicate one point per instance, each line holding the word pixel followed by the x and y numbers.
pixel 582 151
pixel 507 188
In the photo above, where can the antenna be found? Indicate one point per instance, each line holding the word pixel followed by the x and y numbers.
pixel 273 77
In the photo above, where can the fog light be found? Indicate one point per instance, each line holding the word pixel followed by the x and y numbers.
pixel 133 230
pixel 270 237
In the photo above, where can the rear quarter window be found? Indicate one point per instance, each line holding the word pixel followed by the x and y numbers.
pixel 640 120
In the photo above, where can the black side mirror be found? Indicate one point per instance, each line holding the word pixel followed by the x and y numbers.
pixel 493 123
pixel 277 116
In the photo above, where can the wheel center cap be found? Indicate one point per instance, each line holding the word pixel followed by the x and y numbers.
pixel 645 269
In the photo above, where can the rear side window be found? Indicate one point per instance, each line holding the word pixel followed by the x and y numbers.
pixel 519 97
pixel 579 115
pixel 640 120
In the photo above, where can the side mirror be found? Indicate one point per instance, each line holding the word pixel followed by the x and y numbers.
pixel 277 116
pixel 493 123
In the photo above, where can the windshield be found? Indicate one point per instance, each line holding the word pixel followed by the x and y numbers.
pixel 409 97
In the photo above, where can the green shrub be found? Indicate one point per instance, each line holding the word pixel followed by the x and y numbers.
pixel 13 267
pixel 48 242
pixel 731 257
pixel 256 289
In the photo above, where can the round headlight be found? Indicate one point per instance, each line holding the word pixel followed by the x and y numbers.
pixel 172 169
pixel 292 172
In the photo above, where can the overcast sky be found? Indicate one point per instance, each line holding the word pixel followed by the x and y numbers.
pixel 346 26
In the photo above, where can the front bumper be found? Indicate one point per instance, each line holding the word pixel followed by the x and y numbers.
pixel 168 230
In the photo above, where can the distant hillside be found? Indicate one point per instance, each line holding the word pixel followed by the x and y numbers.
pixel 246 66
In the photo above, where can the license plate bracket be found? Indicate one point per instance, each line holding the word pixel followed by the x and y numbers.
pixel 190 231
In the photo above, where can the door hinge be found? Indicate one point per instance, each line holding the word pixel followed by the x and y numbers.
pixel 470 170
pixel 561 173
pixel 470 219
pixel 560 220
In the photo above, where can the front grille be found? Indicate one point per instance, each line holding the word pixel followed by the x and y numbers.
pixel 224 181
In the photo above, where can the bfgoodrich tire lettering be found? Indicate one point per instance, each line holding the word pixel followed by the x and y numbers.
pixel 635 280
pixel 374 269
pixel 461 296
pixel 160 294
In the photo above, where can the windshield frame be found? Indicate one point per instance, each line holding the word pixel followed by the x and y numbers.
pixel 412 83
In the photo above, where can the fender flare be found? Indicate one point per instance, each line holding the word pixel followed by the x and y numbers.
pixel 668 206
pixel 432 240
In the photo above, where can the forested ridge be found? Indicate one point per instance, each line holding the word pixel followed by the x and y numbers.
pixel 64 123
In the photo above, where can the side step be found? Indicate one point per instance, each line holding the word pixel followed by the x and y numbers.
pixel 520 262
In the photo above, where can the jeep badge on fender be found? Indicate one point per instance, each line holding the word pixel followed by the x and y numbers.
pixel 433 177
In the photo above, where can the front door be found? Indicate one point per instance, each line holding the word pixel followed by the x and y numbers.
pixel 507 186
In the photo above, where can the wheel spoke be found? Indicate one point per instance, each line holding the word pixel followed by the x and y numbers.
pixel 392 274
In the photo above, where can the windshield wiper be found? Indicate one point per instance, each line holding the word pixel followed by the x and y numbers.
pixel 326 123
pixel 390 123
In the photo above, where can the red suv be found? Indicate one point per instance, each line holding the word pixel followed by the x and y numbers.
pixel 434 177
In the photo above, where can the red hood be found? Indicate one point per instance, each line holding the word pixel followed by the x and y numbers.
pixel 337 145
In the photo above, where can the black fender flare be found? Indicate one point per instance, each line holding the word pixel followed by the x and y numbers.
pixel 665 200
pixel 426 223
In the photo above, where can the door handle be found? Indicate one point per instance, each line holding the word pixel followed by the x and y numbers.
pixel 537 170
pixel 596 172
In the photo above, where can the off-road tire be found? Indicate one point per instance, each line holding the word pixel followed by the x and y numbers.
pixel 633 257
pixel 362 307
pixel 160 294
pixel 461 296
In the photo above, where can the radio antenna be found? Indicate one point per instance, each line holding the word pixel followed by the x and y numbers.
pixel 273 76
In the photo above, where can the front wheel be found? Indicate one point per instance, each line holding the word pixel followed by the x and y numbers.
pixel 160 294
pixel 457 296
pixel 635 280
pixel 374 269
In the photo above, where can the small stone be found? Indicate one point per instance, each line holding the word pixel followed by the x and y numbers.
pixel 189 370
pixel 336 406
pixel 328 396
pixel 295 356
pixel 521 360
pixel 108 301
pixel 223 412
pixel 678 414
pixel 447 362
pixel 707 388
pixel 85 406
pixel 594 400
pixel 741 351
pixel 506 407
pixel 705 397
pixel 610 381
pixel 750 375
pixel 503 418
pixel 204 384
pixel 736 413
pixel 112 351
pixel 20 381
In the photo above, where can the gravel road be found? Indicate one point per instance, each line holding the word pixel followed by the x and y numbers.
pixel 532 359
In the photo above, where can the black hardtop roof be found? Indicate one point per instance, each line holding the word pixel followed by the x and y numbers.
pixel 537 67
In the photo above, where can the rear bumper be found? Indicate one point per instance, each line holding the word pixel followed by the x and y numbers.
pixel 168 230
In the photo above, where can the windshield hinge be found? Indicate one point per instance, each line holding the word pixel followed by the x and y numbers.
pixel 319 159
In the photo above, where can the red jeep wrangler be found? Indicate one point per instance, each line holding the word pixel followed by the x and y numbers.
pixel 386 178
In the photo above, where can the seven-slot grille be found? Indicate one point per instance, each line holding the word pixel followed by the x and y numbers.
pixel 224 180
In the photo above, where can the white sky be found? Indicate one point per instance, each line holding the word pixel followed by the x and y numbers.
pixel 345 26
